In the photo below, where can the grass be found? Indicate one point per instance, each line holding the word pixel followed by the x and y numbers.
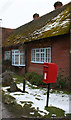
pixel 25 102
pixel 58 91
pixel 8 99
pixel 19 78
pixel 67 92
pixel 54 111
pixel 69 114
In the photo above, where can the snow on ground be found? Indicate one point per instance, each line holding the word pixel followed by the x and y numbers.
pixel 39 98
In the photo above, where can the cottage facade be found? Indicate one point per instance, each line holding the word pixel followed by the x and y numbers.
pixel 46 39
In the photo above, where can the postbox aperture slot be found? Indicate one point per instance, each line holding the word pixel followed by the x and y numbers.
pixel 46 66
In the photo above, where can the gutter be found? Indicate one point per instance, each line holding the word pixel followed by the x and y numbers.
pixel 25 59
pixel 47 38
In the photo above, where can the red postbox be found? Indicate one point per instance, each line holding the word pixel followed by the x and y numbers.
pixel 49 73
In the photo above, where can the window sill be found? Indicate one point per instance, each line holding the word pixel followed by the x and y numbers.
pixel 18 65
pixel 37 62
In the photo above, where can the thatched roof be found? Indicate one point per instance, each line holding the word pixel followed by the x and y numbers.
pixel 54 23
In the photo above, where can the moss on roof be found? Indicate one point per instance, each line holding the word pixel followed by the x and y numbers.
pixel 54 23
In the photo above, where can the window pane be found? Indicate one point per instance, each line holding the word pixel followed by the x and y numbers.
pixel 7 55
pixel 46 52
pixel 12 59
pixel 42 50
pixel 12 51
pixel 48 59
pixel 16 59
pixel 33 55
pixel 42 57
pixel 22 59
pixel 49 55
pixel 16 51
pixel 38 57
pixel 37 50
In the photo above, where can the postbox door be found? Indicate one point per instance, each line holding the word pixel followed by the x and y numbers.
pixel 52 73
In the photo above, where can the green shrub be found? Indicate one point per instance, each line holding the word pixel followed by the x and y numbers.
pixel 7 62
pixel 61 81
pixel 34 78
pixel 6 65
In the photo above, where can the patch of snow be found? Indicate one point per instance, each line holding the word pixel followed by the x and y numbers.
pixel 43 113
pixel 58 100
pixel 50 26
pixel 14 79
pixel 5 88
pixel 64 22
pixel 53 115
pixel 32 113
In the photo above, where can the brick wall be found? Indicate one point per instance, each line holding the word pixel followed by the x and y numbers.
pixel 5 33
pixel 59 54
pixel 35 67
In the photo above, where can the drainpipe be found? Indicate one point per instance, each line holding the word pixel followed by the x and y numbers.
pixel 70 64
pixel 25 68
pixel 70 74
pixel 25 59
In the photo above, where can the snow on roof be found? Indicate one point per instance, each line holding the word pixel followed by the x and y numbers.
pixel 54 23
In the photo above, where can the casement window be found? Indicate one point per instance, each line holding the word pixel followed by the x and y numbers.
pixel 18 58
pixel 7 55
pixel 41 55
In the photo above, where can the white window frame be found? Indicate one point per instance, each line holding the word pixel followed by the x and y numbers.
pixel 7 55
pixel 19 54
pixel 46 59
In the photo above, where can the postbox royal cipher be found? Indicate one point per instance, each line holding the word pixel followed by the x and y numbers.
pixel 49 73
